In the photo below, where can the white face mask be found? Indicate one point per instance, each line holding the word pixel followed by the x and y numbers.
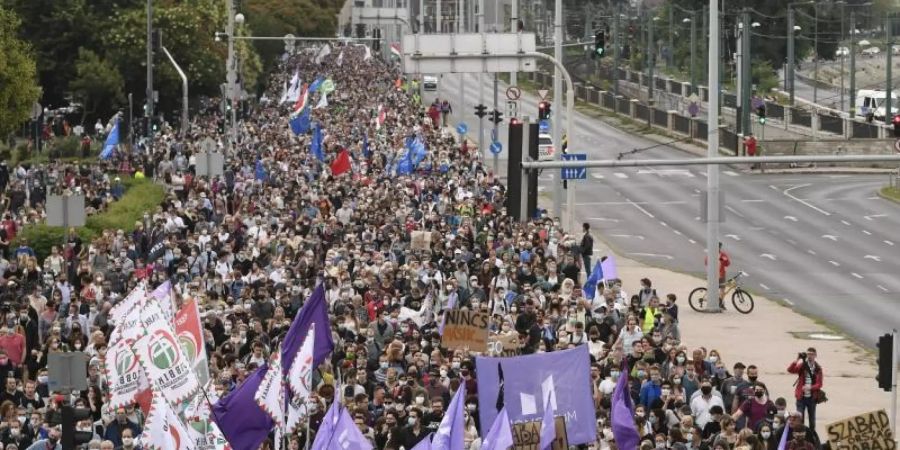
pixel 765 434
pixel 127 441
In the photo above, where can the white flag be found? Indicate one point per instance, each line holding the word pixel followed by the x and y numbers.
pixel 368 53
pixel 300 381
pixel 120 310
pixel 323 101
pixel 164 430
pixel 293 93
pixel 168 369
pixel 270 394
pixel 340 59
pixel 124 372
pixel 284 93
pixel 325 51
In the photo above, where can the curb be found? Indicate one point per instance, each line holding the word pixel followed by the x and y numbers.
pixel 823 171
pixel 886 197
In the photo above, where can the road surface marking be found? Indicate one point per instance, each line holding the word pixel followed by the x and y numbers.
pixel 730 173
pixel 697 191
pixel 768 256
pixel 792 242
pixel 637 236
pixel 542 188
pixel 545 177
pixel 763 286
pixel 733 236
pixel 620 175
pixel 889 243
pixel 597 176
pixel 874 197
pixel 835 263
pixel 677 232
pixel 873 258
pixel 663 224
pixel 692 241
pixel 874 216
pixel 787 192
pixel 665 172
pixel 811 252
pixel 773 187
pixel 830 237
pixel 603 219
pixel 789 302
pixel 752 200
pixel 883 288
pixel 653 255
pixel 867 232
pixel 627 202
pixel 640 208
pixel 791 218
pixel 734 211
pixel 704 174
pixel 857 275
pixel 846 223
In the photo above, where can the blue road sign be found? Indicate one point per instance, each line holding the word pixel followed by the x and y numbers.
pixel 574 173
pixel 496 147
pixel 462 128
pixel 544 126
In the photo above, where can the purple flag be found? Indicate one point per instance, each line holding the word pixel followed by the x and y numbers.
pixel 622 414
pixel 548 424
pixel 314 311
pixel 782 444
pixel 529 379
pixel 499 437
pixel 449 434
pixel 608 267
pixel 425 443
pixel 243 423
pixel 339 432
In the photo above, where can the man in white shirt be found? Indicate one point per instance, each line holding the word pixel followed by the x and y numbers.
pixel 701 404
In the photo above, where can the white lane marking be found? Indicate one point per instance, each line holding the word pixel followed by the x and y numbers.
pixel 789 302
pixel 665 172
pixel 791 218
pixel 857 275
pixel 734 211
pixel 640 208
pixel 597 176
pixel 677 232
pixel 835 263
pixel 752 200
pixel 811 252
pixel 692 241
pixel 542 188
pixel 730 173
pixel 874 216
pixel 620 175
pixel 830 237
pixel 846 223
pixel 883 288
pixel 873 258
pixel 867 232
pixel 653 255
pixel 636 236
pixel 889 243
pixel 733 236
pixel 787 192
pixel 663 224
pixel 874 197
pixel 697 191
pixel 768 256
pixel 763 286
pixel 603 219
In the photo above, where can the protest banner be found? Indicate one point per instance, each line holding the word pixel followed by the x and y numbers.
pixel 419 240
pixel 504 344
pixel 465 330
pixel 527 435
pixel 868 431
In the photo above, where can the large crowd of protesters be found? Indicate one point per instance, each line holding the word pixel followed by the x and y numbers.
pixel 251 245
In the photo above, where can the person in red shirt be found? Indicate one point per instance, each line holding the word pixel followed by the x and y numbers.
pixel 724 262
pixel 14 345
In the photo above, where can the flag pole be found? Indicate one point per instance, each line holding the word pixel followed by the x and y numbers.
pixel 308 437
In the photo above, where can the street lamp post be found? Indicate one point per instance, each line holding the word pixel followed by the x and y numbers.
pixel 231 69
pixel 852 50
pixel 148 111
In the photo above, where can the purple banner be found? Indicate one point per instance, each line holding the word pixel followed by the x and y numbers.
pixel 527 382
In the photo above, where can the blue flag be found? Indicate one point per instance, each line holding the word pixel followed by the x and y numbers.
pixel 499 437
pixel 365 150
pixel 300 122
pixel 316 145
pixel 260 171
pixel 425 443
pixel 590 286
pixel 243 423
pixel 111 142
pixel 314 311
pixel 339 432
pixel 315 85
pixel 450 433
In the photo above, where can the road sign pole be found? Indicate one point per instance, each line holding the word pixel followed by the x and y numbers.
pixel 496 132
pixel 570 206
pixel 557 96
pixel 712 179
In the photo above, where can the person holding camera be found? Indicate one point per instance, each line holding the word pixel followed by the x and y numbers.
pixel 808 387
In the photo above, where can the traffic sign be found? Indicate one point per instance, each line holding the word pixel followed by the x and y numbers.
pixel 542 93
pixel 462 128
pixel 544 126
pixel 513 92
pixel 693 109
pixel 496 147
pixel 574 173
pixel 512 108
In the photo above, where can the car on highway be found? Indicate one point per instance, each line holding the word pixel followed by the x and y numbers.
pixel 429 83
pixel 871 51
pixel 546 151
pixel 842 51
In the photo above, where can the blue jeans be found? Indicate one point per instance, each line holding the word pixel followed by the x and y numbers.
pixel 587 264
pixel 807 407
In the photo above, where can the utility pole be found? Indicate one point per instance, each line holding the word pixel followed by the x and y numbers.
pixel 496 133
pixel 816 55
pixel 712 179
pixel 651 60
pixel 482 144
pixel 852 49
pixel 437 17
pixel 888 112
pixel 557 112
pixel 840 41
pixel 746 77
pixel 231 74
pixel 789 64
pixel 705 35
pixel 148 111
pixel 617 48
pixel 693 52
pixel 514 28
pixel 671 52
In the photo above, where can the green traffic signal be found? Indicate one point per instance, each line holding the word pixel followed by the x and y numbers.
pixel 762 120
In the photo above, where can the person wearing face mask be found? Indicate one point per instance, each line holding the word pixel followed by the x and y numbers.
pixel 731 388
pixel 17 434
pixel 411 434
pixel 51 442
pixel 115 429
pixel 704 402
pixel 766 436
pixel 129 441
pixel 755 409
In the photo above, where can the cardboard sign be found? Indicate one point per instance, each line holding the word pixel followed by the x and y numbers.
pixel 420 240
pixel 504 345
pixel 465 330
pixel 527 435
pixel 869 431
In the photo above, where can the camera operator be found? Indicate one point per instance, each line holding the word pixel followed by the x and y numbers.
pixel 808 391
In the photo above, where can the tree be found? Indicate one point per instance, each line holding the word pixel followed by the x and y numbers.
pixel 18 88
pixel 98 85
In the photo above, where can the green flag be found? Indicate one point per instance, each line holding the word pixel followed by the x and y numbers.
pixel 327 86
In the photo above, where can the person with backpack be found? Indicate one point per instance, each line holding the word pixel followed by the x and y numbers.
pixel 587 247
pixel 808 387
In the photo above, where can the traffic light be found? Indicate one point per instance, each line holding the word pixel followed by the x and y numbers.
pixel 896 122
pixel 480 111
pixel 543 110
pixel 761 112
pixel 495 116
pixel 376 33
pixel 156 40
pixel 220 126
pixel 886 354
pixel 67 416
pixel 599 44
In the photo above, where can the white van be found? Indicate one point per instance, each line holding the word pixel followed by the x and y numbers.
pixel 870 102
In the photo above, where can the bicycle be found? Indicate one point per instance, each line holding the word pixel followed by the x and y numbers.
pixel 741 299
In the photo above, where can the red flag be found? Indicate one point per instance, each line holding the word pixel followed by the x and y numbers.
pixel 341 164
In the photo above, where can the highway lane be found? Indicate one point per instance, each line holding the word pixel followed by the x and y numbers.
pixel 824 244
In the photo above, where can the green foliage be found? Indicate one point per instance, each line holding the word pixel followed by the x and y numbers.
pixel 98 85
pixel 140 196
pixel 764 76
pixel 18 90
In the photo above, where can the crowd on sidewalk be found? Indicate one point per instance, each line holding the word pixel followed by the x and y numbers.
pixel 251 245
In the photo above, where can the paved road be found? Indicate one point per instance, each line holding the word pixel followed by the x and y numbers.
pixel 824 244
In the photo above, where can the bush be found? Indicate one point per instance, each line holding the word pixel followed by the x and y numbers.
pixel 140 196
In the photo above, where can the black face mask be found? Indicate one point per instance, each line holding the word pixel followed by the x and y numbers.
pixel 752 379
pixel 760 394
pixel 706 390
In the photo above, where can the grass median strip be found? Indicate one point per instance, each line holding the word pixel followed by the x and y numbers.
pixel 891 193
